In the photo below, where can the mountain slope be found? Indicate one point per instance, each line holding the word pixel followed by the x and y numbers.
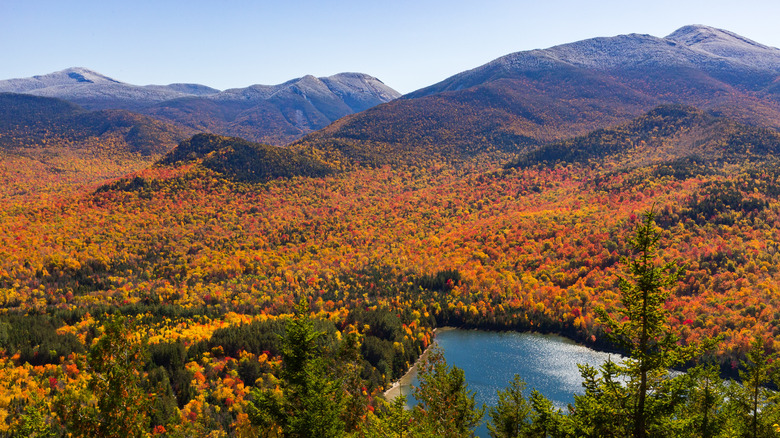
pixel 667 133
pixel 32 121
pixel 241 160
pixel 277 114
pixel 529 98
pixel 53 149
pixel 714 52
pixel 95 91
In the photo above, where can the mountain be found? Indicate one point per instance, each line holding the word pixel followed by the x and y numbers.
pixel 733 47
pixel 715 52
pixel 524 99
pixel 229 158
pixel 276 114
pixel 28 122
pixel 95 91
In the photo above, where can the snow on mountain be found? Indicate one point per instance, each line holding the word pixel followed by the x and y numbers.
pixel 692 46
pixel 335 96
pixel 68 77
pixel 87 87
pixel 358 91
pixel 722 43
pixel 190 89
pixel 305 86
pixel 696 47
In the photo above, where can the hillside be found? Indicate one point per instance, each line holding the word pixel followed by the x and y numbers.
pixel 667 133
pixel 535 246
pixel 209 270
pixel 50 148
pixel 529 98
pixel 29 121
pixel 241 160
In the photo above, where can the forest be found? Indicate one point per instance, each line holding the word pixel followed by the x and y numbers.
pixel 203 297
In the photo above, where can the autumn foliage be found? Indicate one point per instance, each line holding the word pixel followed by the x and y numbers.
pixel 209 265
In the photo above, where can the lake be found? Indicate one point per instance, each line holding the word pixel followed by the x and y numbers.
pixel 490 360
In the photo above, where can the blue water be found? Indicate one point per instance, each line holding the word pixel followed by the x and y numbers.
pixel 490 360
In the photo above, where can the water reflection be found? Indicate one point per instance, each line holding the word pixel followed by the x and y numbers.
pixel 490 360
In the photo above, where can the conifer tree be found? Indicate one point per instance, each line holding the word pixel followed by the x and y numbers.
pixel 446 405
pixel 703 412
pixel 311 402
pixel 114 403
pixel 754 402
pixel 641 326
pixel 546 421
pixel 604 410
pixel 510 417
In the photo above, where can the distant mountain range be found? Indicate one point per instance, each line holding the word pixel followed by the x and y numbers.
pixel 526 99
pixel 274 114
pixel 512 105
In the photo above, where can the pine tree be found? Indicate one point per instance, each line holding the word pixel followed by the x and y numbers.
pixel 510 417
pixel 641 326
pixel 311 402
pixel 446 405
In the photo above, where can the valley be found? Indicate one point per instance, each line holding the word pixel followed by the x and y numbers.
pixel 503 198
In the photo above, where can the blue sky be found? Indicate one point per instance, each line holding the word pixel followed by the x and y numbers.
pixel 406 44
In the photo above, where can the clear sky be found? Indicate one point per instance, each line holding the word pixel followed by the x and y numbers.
pixel 408 44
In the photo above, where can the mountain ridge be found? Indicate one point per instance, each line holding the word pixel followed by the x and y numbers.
pixel 621 51
pixel 525 99
pixel 274 114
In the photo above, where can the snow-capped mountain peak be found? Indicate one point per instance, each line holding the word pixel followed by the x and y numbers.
pixel 698 35
pixel 64 78
pixel 79 75
pixel 726 44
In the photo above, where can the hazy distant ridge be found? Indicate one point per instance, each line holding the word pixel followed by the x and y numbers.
pixel 275 114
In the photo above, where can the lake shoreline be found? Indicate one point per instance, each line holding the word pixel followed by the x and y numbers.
pixel 406 380
pixel 395 389
pixel 490 359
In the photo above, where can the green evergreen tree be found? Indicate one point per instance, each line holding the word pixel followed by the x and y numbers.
pixel 510 417
pixel 446 405
pixel 311 402
pixel 546 421
pixel 753 406
pixel 641 327
pixel 702 413
pixel 604 410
